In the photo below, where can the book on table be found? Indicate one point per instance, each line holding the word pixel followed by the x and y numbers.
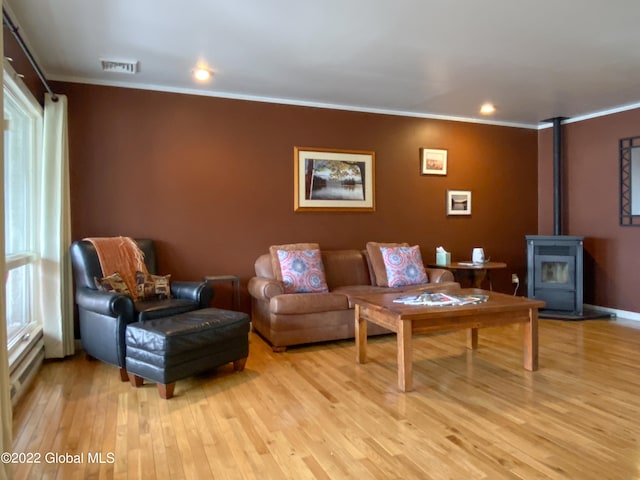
pixel 440 299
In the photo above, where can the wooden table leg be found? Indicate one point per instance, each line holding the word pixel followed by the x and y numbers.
pixel 235 293
pixel 472 338
pixel 478 277
pixel 361 337
pixel 531 341
pixel 405 356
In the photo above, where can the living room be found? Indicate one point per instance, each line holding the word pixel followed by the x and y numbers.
pixel 211 180
pixel 217 153
pixel 170 158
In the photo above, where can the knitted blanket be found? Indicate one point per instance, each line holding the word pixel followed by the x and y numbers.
pixel 122 255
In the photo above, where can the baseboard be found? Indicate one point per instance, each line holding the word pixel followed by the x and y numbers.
pixel 617 313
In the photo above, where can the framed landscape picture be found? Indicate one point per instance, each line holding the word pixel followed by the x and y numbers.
pixel 433 161
pixel 333 180
pixel 458 202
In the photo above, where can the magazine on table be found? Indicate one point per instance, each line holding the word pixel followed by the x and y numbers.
pixel 440 299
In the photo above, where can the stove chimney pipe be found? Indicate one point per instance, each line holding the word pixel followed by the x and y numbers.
pixel 557 176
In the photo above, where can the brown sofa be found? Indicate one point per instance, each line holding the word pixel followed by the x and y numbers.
pixel 297 318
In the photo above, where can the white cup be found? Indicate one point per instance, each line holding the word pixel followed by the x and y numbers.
pixel 477 255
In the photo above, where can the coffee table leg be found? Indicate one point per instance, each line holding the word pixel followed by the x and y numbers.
pixel 361 337
pixel 405 356
pixel 472 338
pixel 531 341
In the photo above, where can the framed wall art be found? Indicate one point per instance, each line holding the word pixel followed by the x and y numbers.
pixel 333 180
pixel 458 202
pixel 433 161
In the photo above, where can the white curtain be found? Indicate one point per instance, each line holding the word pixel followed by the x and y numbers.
pixel 56 290
pixel 6 416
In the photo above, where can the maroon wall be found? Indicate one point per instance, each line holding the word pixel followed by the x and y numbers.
pixel 21 65
pixel 212 180
pixel 592 203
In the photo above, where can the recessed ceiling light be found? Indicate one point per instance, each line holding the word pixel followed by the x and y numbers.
pixel 487 109
pixel 202 74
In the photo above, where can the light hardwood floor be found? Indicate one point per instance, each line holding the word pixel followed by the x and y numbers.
pixel 314 413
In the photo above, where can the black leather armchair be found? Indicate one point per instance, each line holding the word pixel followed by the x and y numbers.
pixel 104 316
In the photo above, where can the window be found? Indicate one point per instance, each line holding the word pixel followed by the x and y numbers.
pixel 22 154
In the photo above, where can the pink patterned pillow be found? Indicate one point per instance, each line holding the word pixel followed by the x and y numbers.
pixel 404 266
pixel 302 271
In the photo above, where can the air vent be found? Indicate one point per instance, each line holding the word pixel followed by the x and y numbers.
pixel 120 66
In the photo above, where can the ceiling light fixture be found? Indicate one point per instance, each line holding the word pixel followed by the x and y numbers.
pixel 487 109
pixel 202 74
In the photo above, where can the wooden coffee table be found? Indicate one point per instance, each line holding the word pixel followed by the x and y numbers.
pixel 408 320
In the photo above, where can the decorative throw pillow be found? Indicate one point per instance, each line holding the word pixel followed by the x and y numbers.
pixel 302 271
pixel 153 286
pixel 377 263
pixel 112 283
pixel 275 261
pixel 404 266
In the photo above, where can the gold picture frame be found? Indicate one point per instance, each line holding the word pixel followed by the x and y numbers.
pixel 333 180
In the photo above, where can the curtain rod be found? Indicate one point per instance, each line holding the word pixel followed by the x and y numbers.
pixel 6 20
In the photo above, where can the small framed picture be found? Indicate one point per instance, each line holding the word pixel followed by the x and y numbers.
pixel 458 202
pixel 433 162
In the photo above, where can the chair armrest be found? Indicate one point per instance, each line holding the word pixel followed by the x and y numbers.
pixel 105 303
pixel 439 275
pixel 263 288
pixel 200 292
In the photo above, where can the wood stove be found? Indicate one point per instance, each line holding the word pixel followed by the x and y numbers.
pixel 555 263
pixel 555 273
pixel 555 268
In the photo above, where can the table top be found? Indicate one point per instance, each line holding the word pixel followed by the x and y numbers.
pixel 221 278
pixel 469 265
pixel 496 302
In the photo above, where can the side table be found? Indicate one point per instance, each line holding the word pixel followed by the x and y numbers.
pixel 235 286
pixel 478 271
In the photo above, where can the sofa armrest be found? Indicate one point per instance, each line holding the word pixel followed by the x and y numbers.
pixel 201 292
pixel 263 288
pixel 440 275
pixel 105 303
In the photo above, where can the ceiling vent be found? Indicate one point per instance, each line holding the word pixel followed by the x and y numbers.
pixel 120 66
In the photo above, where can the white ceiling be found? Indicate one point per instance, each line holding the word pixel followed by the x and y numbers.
pixel 533 59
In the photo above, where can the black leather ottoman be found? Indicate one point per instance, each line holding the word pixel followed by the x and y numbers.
pixel 168 349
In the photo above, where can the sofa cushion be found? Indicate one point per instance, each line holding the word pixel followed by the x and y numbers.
pixel 345 267
pixel 302 271
pixel 264 267
pixel 377 263
pixel 404 266
pixel 275 261
pixel 298 304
